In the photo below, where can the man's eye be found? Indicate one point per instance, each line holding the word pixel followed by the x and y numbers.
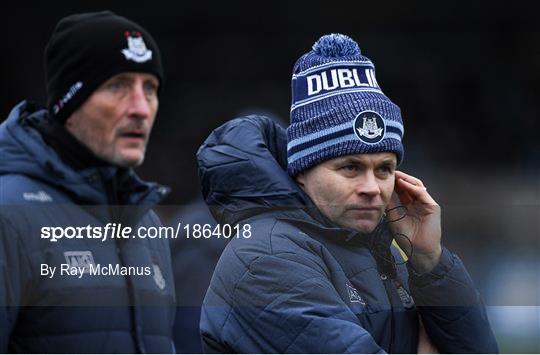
pixel 386 169
pixel 350 168
pixel 150 88
pixel 116 85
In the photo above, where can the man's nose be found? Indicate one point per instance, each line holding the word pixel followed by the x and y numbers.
pixel 139 103
pixel 369 186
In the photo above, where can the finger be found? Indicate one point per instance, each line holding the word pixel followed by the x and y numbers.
pixel 416 192
pixel 404 197
pixel 413 180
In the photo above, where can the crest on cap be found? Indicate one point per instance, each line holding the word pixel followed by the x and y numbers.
pixel 369 127
pixel 136 50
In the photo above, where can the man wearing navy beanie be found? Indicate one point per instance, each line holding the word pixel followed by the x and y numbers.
pixel 314 269
pixel 74 274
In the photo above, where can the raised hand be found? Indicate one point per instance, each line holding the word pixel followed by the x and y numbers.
pixel 421 224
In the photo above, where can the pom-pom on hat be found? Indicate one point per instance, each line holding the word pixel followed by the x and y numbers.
pixel 89 48
pixel 338 108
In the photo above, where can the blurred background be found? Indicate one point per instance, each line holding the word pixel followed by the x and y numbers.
pixel 466 77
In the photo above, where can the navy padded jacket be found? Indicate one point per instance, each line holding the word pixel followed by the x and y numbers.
pixel 67 314
pixel 300 284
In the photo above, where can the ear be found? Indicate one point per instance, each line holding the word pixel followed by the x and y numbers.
pixel 68 122
pixel 301 179
pixel 71 120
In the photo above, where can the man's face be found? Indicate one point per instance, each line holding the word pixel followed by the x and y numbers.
pixel 116 120
pixel 352 191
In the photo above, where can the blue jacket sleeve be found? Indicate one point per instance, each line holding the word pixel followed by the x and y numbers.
pixel 285 303
pixel 451 308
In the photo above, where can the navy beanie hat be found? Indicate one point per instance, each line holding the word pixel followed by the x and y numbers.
pixel 338 108
pixel 87 49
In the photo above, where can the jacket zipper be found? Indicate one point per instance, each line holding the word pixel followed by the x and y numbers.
pixel 115 214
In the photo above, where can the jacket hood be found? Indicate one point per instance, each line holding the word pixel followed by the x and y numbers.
pixel 243 170
pixel 24 152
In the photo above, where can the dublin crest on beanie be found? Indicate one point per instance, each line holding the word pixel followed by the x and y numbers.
pixel 338 108
pixel 87 49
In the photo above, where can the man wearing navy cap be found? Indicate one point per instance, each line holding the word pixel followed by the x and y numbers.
pixel 323 201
